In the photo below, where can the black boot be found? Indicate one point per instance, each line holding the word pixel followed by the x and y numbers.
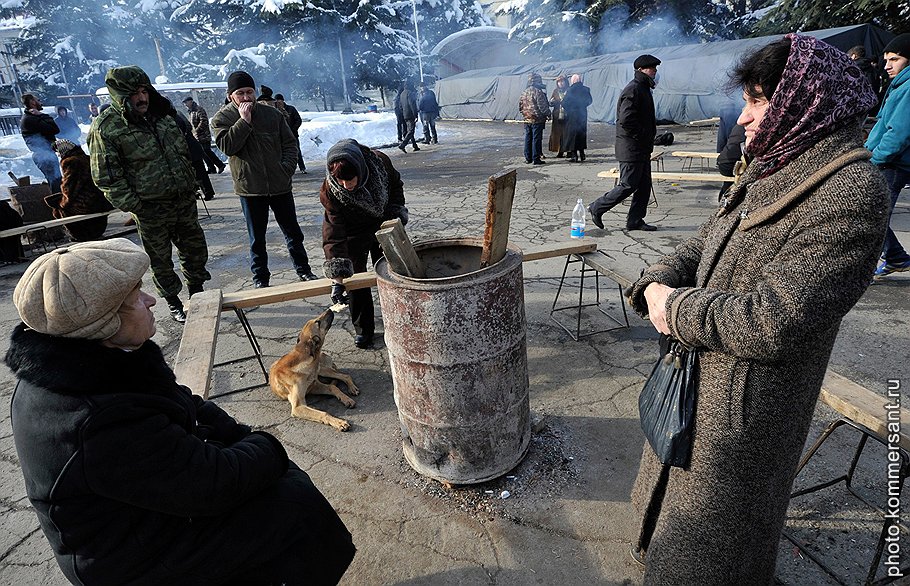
pixel 176 307
pixel 193 289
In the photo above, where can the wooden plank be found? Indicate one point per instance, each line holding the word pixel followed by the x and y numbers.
pixel 672 176
pixel 557 249
pixel 292 291
pixel 705 122
pixel 196 355
pixel 52 223
pixel 657 155
pixel 398 250
pixel 694 154
pixel 500 193
pixel 598 261
pixel 859 404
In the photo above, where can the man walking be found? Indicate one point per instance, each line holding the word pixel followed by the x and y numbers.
pixel 141 163
pixel 636 126
pixel 199 120
pixel 263 157
pixel 39 131
pixel 535 109
pixel 889 142
pixel 295 122
pixel 407 101
pixel 429 111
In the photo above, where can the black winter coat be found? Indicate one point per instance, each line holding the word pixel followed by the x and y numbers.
pixel 136 481
pixel 575 103
pixel 42 124
pixel 427 103
pixel 407 100
pixel 636 125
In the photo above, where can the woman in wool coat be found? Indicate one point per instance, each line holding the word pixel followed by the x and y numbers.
pixel 575 104
pixel 760 293
pixel 134 479
pixel 557 128
pixel 361 190
pixel 78 193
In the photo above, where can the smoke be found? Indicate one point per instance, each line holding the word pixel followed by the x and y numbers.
pixel 659 30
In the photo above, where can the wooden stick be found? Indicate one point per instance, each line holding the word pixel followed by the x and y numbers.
pixel 398 250
pixel 500 193
pixel 196 355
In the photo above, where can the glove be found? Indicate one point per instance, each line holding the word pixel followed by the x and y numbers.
pixel 339 295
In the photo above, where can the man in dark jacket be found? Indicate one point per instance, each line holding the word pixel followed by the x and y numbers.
pixel 535 109
pixel 407 101
pixel 199 120
pixel 134 479
pixel 295 122
pixel 429 112
pixel 69 128
pixel 263 157
pixel 636 127
pixel 141 162
pixel 39 131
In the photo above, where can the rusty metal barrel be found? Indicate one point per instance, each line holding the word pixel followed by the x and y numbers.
pixel 457 349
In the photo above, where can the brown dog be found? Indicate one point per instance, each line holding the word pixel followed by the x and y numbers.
pixel 296 374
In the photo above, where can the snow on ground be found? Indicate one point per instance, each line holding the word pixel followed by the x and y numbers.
pixel 325 128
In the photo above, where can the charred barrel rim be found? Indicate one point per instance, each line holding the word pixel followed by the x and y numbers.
pixel 466 248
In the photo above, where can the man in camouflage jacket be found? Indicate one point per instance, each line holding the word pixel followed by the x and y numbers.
pixel 535 108
pixel 199 119
pixel 141 163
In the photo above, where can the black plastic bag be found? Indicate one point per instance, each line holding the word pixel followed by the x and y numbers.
pixel 663 139
pixel 666 405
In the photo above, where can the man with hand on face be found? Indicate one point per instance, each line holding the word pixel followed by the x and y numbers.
pixel 39 131
pixel 263 157
pixel 636 127
pixel 141 162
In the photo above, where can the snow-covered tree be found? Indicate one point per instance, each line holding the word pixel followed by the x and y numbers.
pixel 798 15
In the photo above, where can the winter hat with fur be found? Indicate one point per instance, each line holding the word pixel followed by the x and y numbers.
pixel 63 146
pixel 75 292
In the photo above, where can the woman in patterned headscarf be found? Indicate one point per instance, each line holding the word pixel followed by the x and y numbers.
pixel 760 292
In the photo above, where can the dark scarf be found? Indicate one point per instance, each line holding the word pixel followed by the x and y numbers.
pixel 372 192
pixel 821 91
pixel 84 367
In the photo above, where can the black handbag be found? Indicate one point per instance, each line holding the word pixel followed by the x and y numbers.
pixel 666 405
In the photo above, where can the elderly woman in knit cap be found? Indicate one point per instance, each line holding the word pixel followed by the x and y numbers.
pixel 759 293
pixel 134 479
pixel 361 190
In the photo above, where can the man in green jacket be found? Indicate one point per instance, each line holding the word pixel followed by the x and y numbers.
pixel 263 156
pixel 141 162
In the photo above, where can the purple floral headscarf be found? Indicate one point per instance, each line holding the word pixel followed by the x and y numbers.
pixel 821 91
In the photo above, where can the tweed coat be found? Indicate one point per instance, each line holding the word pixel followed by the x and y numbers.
pixel 761 292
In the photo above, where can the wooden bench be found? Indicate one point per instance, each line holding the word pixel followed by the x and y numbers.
pixel 673 176
pixel 706 161
pixel 657 160
pixel 865 411
pixel 714 121
pixel 602 265
pixel 31 231
pixel 195 357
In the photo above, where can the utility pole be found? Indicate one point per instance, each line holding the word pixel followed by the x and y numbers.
pixel 66 84
pixel 344 83
pixel 17 89
pixel 417 35
pixel 160 58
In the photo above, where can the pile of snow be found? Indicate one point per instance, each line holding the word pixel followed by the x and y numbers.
pixel 318 133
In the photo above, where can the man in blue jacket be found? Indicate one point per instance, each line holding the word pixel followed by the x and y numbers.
pixel 889 142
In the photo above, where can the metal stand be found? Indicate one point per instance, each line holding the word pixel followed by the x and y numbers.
pixel 847 478
pixel 201 198
pixel 257 354
pixel 585 268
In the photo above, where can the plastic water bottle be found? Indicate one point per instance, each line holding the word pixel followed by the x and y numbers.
pixel 578 220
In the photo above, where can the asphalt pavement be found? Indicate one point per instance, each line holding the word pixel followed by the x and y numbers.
pixel 566 516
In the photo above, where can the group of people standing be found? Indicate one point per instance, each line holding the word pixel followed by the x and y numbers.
pixel 568 109
pixel 410 105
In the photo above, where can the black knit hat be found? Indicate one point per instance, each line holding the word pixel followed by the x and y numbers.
pixel 900 45
pixel 265 94
pixel 239 79
pixel 279 97
pixel 644 61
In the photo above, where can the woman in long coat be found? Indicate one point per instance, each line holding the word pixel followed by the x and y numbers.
pixel 575 104
pixel 559 116
pixel 760 293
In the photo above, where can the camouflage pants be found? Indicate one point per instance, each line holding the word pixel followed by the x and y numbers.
pixel 162 223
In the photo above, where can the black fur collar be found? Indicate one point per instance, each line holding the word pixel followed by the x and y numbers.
pixel 85 367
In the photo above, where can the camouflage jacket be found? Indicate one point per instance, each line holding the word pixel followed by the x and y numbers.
pixel 200 121
pixel 139 158
pixel 263 155
pixel 534 106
